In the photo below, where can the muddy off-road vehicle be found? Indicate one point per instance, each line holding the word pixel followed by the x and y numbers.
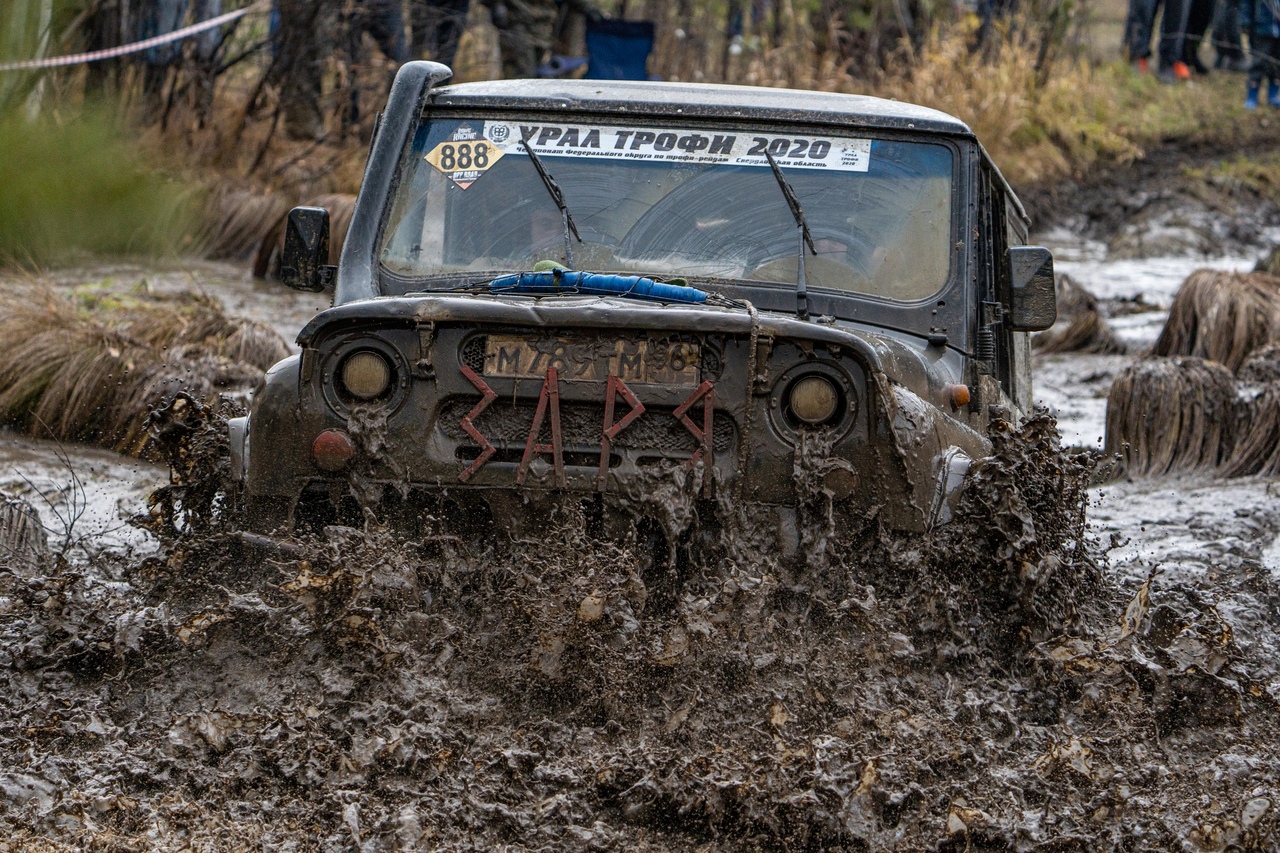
pixel 662 301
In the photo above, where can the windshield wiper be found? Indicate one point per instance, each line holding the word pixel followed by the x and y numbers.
pixel 797 212
pixel 558 197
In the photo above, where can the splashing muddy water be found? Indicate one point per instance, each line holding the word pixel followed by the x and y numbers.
pixel 986 687
pixel 1000 685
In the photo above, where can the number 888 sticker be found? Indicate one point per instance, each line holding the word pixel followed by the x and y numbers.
pixel 463 158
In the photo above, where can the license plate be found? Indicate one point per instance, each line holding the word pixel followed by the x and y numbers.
pixel 654 362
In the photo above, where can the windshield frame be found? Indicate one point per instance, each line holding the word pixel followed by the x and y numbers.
pixel 401 284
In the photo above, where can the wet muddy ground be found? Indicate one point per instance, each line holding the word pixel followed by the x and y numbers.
pixel 1017 682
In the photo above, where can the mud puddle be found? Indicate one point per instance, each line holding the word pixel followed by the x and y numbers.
pixel 1135 294
pixel 990 687
pixel 84 495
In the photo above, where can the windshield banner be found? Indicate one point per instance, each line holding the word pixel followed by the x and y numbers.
pixel 681 146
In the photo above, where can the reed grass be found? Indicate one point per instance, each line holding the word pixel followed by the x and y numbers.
pixel 89 367
pixel 1223 316
pixel 1171 414
pixel 79 185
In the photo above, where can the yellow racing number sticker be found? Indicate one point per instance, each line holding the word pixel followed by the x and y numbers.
pixel 464 156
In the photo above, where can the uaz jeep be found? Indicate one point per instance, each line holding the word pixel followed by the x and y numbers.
pixel 662 300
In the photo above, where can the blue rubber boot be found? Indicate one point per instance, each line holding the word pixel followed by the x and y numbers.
pixel 1251 97
pixel 1273 94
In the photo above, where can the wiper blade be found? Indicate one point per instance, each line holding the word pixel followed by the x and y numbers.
pixel 797 213
pixel 557 195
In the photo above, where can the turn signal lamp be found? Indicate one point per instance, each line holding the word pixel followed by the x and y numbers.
pixel 813 400
pixel 332 450
pixel 366 375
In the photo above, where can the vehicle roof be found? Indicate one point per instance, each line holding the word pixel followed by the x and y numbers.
pixel 702 100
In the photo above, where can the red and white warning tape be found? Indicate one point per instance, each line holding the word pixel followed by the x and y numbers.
pixel 109 53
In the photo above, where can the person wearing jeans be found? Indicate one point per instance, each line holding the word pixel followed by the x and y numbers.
pixel 1226 37
pixel 1138 28
pixel 1260 19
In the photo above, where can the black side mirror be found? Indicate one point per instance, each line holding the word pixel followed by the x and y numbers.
pixel 304 264
pixel 1033 301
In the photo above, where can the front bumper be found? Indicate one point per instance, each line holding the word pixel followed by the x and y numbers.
pixel 455 427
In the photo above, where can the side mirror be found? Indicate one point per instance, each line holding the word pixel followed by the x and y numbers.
pixel 304 263
pixel 1033 302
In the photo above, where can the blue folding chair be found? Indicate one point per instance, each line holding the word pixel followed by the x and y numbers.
pixel 619 50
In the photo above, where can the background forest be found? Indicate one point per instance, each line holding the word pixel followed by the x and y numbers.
pixel 180 148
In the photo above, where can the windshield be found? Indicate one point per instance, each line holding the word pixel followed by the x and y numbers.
pixel 674 202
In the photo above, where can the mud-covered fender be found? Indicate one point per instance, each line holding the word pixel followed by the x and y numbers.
pixel 279 434
pixel 935 451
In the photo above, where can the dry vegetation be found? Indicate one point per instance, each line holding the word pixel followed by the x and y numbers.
pixel 1042 108
pixel 1171 414
pixel 1208 396
pixel 1222 316
pixel 89 367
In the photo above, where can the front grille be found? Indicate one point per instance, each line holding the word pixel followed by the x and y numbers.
pixel 506 424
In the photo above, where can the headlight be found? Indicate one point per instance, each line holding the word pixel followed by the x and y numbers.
pixel 813 400
pixel 366 375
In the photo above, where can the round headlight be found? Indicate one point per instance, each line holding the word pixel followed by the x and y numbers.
pixel 813 400
pixel 366 375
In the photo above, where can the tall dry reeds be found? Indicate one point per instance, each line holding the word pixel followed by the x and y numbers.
pixel 1081 326
pixel 81 371
pixel 1223 316
pixel 266 260
pixel 1257 448
pixel 1040 115
pixel 1181 408
pixel 1171 414
pixel 1086 332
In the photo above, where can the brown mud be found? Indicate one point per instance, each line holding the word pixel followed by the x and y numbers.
pixel 1171 201
pixel 988 687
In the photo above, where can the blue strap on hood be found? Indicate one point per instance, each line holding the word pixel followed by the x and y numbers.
pixel 570 281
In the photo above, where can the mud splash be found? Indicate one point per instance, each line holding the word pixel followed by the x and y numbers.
pixel 989 687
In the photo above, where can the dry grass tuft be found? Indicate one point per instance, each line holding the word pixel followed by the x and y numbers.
pixel 80 370
pixel 1072 296
pixel 1257 448
pixel 1040 116
pixel 1086 332
pixel 1081 326
pixel 1262 365
pixel 1171 414
pixel 1223 316
pixel 1271 263
pixel 234 221
pixel 24 547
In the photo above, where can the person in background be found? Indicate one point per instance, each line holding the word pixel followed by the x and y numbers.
pixel 301 42
pixel 306 33
pixel 436 27
pixel 1227 46
pixel 1181 30
pixel 528 28
pixel 1138 27
pixel 162 17
pixel 1199 16
pixel 1260 20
